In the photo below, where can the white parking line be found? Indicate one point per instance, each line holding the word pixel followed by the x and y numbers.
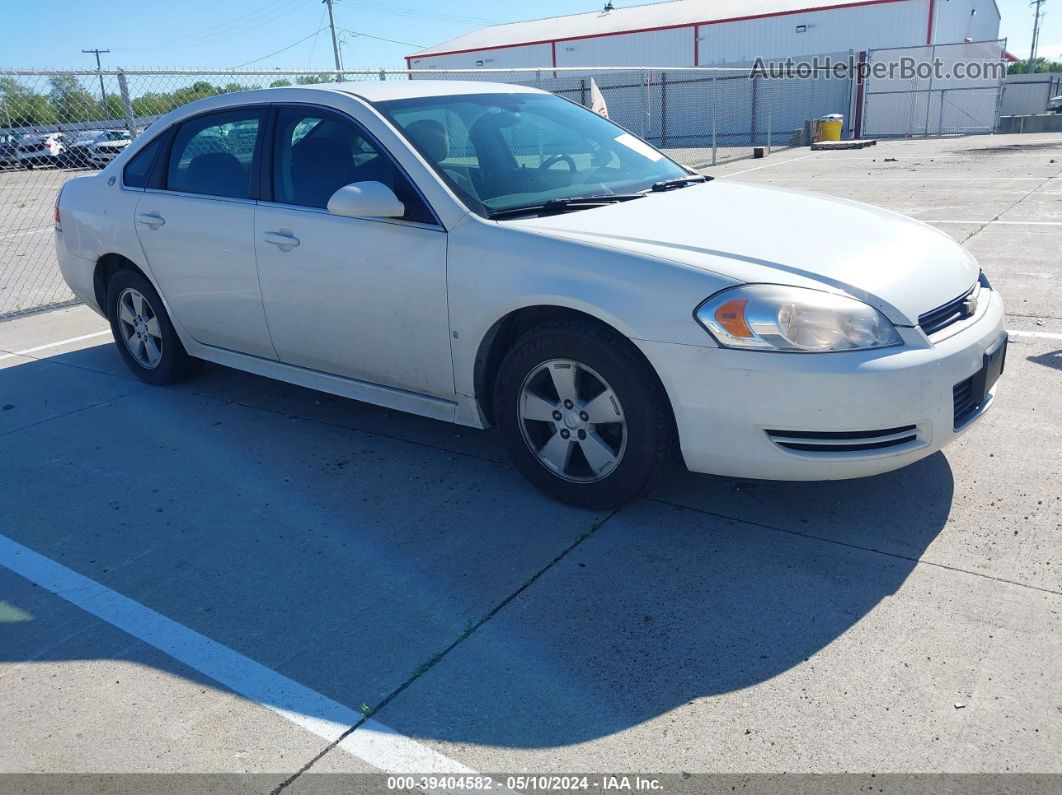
pixel 984 223
pixel 372 742
pixel 26 232
pixel 899 179
pixel 28 351
pixel 1038 334
pixel 767 165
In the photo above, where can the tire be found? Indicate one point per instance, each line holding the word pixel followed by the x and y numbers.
pixel 632 421
pixel 160 358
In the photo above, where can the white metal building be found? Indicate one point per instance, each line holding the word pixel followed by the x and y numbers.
pixel 708 32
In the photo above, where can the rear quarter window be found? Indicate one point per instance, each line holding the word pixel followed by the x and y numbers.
pixel 138 170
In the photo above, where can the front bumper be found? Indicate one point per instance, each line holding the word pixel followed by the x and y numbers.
pixel 725 402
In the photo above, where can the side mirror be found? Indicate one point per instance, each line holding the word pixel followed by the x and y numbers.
pixel 366 200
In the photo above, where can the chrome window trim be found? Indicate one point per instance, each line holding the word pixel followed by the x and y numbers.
pixel 323 211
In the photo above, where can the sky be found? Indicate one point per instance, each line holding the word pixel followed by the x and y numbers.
pixel 292 34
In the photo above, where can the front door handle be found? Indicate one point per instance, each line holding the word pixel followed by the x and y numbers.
pixel 154 220
pixel 285 241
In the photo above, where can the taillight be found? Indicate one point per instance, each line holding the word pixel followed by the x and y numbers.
pixel 58 220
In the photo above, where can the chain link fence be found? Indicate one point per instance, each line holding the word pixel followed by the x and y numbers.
pixel 941 101
pixel 55 125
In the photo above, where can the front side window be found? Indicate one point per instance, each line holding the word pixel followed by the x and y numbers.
pixel 502 151
pixel 316 153
pixel 213 155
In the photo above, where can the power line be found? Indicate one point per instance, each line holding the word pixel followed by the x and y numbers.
pixel 282 49
pixel 320 27
pixel 435 16
pixel 381 38
pixel 225 28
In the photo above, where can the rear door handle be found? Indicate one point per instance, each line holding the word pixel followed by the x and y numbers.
pixel 282 240
pixel 154 220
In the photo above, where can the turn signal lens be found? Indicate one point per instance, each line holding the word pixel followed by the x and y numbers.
pixel 772 317
pixel 731 316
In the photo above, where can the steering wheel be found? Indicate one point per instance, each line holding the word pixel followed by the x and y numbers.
pixel 549 162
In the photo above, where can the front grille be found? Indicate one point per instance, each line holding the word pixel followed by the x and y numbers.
pixel 952 312
pixel 966 402
pixel 836 442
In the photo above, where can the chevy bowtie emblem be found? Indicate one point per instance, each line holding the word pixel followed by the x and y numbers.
pixel 969 306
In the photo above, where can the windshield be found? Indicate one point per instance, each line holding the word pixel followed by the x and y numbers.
pixel 504 151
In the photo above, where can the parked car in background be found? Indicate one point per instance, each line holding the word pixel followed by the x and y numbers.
pixel 113 143
pixel 40 150
pixel 1055 104
pixel 8 148
pixel 495 255
pixel 78 147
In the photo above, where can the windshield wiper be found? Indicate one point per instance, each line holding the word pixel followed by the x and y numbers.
pixel 562 205
pixel 681 182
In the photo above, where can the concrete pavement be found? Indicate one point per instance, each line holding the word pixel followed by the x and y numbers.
pixel 399 567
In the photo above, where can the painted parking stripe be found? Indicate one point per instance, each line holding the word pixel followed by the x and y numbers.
pixel 766 165
pixel 1038 334
pixel 372 742
pixel 26 232
pixel 70 341
pixel 1004 223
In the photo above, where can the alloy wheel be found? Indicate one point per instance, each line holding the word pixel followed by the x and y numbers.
pixel 140 328
pixel 572 421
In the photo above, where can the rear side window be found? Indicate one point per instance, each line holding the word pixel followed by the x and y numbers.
pixel 138 170
pixel 214 155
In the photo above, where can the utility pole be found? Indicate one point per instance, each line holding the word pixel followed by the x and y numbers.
pixel 99 69
pixel 335 41
pixel 1036 4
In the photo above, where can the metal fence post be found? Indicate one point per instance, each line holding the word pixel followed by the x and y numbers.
pixel 127 104
pixel 663 110
pixel 752 121
pixel 715 101
pixel 770 115
pixel 648 108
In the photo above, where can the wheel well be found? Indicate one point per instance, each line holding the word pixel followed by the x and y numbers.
pixel 106 267
pixel 500 338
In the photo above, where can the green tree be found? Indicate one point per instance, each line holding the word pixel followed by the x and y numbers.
pixel 1042 65
pixel 21 107
pixel 72 102
pixel 312 80
pixel 280 84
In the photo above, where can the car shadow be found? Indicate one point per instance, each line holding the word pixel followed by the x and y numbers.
pixel 1052 359
pixel 349 561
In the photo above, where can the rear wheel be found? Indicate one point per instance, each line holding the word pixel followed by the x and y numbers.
pixel 142 330
pixel 582 414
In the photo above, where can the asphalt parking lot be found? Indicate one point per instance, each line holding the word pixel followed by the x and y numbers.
pixel 230 575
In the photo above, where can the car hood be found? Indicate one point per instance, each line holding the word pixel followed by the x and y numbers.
pixel 761 234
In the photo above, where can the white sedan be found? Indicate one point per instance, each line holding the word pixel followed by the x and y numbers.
pixel 493 255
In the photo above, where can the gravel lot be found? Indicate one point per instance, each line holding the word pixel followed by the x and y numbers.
pixel 245 568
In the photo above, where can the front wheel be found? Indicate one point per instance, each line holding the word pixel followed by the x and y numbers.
pixel 582 414
pixel 143 332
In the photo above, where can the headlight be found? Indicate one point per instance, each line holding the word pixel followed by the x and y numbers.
pixel 770 317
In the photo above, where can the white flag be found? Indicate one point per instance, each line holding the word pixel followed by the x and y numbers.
pixel 597 100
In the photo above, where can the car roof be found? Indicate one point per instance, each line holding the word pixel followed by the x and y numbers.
pixel 384 90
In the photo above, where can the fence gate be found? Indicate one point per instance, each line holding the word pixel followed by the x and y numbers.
pixel 947 89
